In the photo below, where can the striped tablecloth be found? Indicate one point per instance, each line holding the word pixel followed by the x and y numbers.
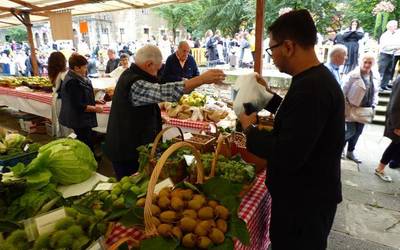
pixel 255 210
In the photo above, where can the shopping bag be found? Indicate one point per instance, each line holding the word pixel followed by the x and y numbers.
pixel 250 91
pixel 358 114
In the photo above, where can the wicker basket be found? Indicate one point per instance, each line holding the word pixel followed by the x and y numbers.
pixel 204 143
pixel 224 147
pixel 150 227
pixel 174 169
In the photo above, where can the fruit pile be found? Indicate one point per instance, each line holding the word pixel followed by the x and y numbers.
pixel 190 218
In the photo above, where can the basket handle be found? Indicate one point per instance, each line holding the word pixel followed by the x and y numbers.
pixel 158 139
pixel 220 142
pixel 150 228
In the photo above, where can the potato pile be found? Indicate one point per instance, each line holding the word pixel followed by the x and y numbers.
pixel 188 217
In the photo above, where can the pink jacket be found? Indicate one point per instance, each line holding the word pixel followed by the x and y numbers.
pixel 354 87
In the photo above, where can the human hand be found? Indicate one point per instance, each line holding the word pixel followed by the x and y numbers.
pixel 100 102
pixel 263 82
pixel 247 120
pixel 98 109
pixel 397 131
pixel 213 76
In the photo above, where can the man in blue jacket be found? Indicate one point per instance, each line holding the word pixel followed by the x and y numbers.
pixel 180 65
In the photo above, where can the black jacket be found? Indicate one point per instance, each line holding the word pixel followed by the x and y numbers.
pixel 76 93
pixel 304 149
pixel 111 65
pixel 393 113
pixel 129 126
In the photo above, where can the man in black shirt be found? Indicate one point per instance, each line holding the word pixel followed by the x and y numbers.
pixel 303 150
pixel 112 62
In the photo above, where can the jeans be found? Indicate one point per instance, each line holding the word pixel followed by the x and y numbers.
pixel 353 132
pixel 385 68
pixel 395 60
pixel 391 155
pixel 85 135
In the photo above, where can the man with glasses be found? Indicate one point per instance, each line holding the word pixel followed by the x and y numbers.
pixel 304 148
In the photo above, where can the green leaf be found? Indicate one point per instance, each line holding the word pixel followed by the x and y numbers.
pixel 130 199
pixel 238 229
pixel 189 185
pixel 123 246
pixel 158 243
pixel 227 245
pixel 83 209
pixel 133 217
pixel 117 213
pixel 39 179
pixel 219 187
pixel 8 226
pixel 231 202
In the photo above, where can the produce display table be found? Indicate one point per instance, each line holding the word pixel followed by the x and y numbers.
pixel 255 210
pixel 39 103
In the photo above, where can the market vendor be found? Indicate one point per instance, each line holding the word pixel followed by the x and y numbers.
pixel 78 109
pixel 303 150
pixel 180 65
pixel 124 61
pixel 135 117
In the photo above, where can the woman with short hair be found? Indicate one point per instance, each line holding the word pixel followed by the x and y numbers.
pixel 78 109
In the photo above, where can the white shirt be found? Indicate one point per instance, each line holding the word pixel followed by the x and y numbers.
pixel 116 73
pixel 389 43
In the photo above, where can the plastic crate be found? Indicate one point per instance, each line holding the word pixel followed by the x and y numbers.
pixel 11 161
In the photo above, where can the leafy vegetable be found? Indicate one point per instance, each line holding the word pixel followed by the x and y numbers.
pixel 64 161
pixel 14 140
pixel 157 243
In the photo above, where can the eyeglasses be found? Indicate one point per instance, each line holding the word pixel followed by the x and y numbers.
pixel 269 50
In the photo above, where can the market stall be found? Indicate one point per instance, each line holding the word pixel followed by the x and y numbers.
pixel 79 209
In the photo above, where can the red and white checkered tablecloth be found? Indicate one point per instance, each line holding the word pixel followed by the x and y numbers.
pixel 255 210
pixel 200 125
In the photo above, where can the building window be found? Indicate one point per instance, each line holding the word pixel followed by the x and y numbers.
pixel 122 31
pixel 145 11
pixel 146 31
pixel 45 38
pixel 104 30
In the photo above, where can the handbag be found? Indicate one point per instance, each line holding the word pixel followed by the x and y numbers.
pixel 358 114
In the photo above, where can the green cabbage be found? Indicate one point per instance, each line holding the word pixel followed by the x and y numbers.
pixel 14 140
pixel 64 161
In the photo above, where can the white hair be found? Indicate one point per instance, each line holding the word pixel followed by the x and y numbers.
pixel 391 23
pixel 148 53
pixel 337 48
pixel 367 55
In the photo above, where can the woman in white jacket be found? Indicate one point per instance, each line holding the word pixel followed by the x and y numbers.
pixel 360 90
pixel 57 69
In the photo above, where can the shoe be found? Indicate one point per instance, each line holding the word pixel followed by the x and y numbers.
pixel 383 89
pixel 351 156
pixel 383 176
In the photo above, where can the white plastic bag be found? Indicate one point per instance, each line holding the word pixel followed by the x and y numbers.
pixel 250 91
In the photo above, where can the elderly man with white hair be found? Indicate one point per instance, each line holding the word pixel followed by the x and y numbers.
pixel 337 57
pixel 135 117
pixel 389 45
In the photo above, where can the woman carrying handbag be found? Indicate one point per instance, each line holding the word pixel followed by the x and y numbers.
pixel 361 95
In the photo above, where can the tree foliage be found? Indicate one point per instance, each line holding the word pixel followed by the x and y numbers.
pixel 18 34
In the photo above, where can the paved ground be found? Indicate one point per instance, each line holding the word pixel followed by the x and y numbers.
pixel 369 216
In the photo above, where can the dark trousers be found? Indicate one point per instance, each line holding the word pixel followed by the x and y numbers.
pixel 353 132
pixel 391 155
pixel 385 64
pixel 85 135
pixel 395 60
pixel 122 169
pixel 300 226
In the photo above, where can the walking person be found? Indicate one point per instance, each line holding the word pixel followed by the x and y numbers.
pixel 360 90
pixel 391 155
pixel 350 37
pixel 389 44
pixel 303 157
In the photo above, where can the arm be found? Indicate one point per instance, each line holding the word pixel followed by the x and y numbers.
pixel 144 93
pixel 294 138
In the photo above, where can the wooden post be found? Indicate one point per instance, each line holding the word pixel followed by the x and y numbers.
pixel 28 25
pixel 258 64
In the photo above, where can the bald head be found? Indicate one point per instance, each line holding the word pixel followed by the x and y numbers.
pixel 183 51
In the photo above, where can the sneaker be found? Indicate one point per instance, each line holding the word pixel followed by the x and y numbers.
pixel 350 155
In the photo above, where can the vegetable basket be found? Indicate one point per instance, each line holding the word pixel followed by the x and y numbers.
pixel 224 147
pixel 174 168
pixel 204 143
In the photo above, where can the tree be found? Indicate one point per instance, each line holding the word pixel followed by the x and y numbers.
pixel 177 14
pixel 18 34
